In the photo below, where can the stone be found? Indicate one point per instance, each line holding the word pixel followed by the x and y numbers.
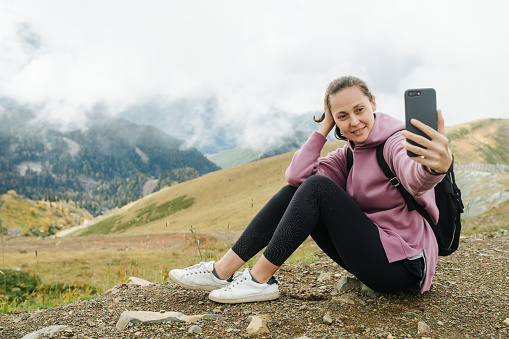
pixel 194 329
pixel 440 323
pixel 390 336
pixel 45 332
pixel 137 282
pixel 348 299
pixel 327 318
pixel 111 291
pixel 422 327
pixel 506 322
pixel 134 317
pixel 367 291
pixel 347 283
pixel 258 325
pixel 324 276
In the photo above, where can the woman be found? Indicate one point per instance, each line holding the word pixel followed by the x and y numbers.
pixel 357 218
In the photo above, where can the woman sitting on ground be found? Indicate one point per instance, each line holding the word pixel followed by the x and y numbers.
pixel 356 217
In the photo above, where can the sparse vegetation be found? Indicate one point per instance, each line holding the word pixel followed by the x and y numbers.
pixel 40 218
pixel 145 215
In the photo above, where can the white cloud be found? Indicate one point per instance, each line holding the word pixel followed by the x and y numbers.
pixel 255 61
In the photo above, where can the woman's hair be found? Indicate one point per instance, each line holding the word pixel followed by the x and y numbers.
pixel 336 86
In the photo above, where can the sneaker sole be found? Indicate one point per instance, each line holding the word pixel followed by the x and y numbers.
pixel 195 287
pixel 246 299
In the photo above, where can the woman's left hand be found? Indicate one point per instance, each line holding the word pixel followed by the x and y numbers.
pixel 436 156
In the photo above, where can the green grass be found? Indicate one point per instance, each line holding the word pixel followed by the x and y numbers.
pixel 22 291
pixel 143 216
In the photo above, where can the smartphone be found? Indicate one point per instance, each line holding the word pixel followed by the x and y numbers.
pixel 420 104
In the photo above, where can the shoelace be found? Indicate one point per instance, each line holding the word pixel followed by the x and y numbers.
pixel 238 277
pixel 198 268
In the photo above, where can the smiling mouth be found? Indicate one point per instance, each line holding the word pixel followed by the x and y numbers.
pixel 358 131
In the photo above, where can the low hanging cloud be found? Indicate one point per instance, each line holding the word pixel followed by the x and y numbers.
pixel 240 71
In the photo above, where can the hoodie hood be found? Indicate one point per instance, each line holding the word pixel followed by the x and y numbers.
pixel 384 126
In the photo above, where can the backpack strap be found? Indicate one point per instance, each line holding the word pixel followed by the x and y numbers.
pixel 349 160
pixel 410 201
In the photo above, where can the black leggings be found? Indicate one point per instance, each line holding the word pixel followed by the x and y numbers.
pixel 322 209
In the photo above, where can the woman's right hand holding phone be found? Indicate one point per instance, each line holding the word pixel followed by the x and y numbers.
pixel 436 157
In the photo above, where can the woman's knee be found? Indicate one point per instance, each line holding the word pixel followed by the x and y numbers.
pixel 319 182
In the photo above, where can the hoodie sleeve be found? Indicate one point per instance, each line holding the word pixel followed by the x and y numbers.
pixel 411 174
pixel 307 162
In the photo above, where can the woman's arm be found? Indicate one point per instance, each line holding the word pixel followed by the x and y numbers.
pixel 307 161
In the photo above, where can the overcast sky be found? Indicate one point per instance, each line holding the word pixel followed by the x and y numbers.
pixel 252 60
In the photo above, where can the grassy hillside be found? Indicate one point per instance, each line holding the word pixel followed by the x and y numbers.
pixel 23 216
pixel 223 200
pixel 482 141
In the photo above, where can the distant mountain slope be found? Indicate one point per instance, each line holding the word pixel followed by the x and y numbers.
pixel 482 141
pixel 242 155
pixel 101 165
pixel 21 216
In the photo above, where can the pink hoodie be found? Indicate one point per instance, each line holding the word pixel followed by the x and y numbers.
pixel 403 234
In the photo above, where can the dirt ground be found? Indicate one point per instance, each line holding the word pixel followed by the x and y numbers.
pixel 469 298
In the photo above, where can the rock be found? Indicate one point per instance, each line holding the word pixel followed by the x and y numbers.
pixel 348 299
pixel 367 291
pixel 440 323
pixel 49 331
pixel 422 327
pixel 346 284
pixel 327 318
pixel 390 336
pixel 90 323
pixel 111 291
pixel 194 329
pixel 506 322
pixel 324 276
pixel 258 325
pixel 134 317
pixel 303 337
pixel 138 282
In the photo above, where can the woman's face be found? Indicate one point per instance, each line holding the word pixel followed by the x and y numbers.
pixel 353 113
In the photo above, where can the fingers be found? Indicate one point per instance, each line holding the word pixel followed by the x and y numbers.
pixel 440 123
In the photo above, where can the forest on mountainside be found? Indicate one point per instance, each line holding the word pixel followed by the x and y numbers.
pixel 100 166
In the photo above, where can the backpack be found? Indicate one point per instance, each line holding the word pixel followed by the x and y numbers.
pixel 447 198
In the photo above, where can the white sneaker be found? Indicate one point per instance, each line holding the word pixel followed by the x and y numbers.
pixel 244 289
pixel 198 277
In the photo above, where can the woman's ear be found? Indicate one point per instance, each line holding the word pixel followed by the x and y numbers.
pixel 373 104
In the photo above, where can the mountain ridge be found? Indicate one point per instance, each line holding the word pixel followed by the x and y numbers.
pixel 40 162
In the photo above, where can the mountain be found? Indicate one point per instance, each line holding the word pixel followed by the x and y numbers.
pixel 242 155
pixel 21 216
pixel 228 199
pixel 482 141
pixel 104 164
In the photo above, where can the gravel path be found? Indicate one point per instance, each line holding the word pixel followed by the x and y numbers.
pixel 469 298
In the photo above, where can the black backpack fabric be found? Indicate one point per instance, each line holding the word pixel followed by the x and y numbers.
pixel 447 197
